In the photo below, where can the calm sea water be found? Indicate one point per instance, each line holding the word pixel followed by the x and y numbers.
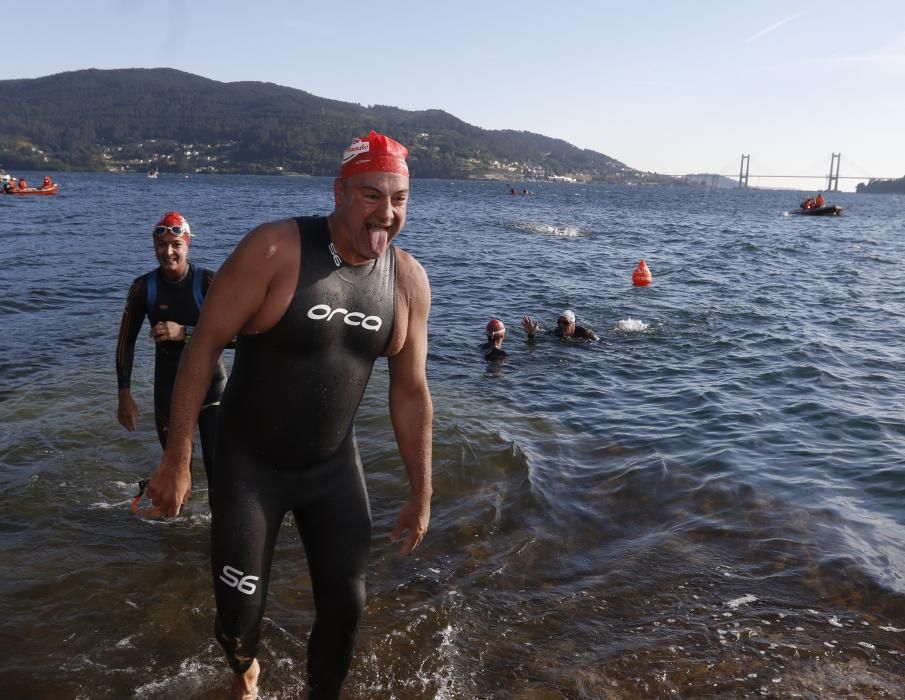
pixel 711 507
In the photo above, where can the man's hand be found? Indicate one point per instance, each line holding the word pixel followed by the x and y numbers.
pixel 167 330
pixel 413 519
pixel 530 325
pixel 127 411
pixel 169 488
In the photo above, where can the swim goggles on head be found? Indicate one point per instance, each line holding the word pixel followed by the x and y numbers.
pixel 176 230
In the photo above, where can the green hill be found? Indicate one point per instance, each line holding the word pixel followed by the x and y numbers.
pixel 136 119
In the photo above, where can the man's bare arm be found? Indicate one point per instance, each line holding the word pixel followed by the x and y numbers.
pixel 411 409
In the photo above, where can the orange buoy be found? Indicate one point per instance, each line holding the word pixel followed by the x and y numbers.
pixel 642 277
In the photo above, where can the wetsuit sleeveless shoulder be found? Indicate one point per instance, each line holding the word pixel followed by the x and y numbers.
pixel 301 381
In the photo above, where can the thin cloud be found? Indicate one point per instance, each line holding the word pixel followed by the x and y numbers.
pixel 773 27
pixel 892 55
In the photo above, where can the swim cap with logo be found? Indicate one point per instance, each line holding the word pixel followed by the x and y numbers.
pixel 374 153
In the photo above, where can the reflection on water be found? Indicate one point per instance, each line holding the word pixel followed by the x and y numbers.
pixel 706 507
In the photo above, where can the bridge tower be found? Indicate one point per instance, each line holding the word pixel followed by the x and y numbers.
pixel 832 182
pixel 743 170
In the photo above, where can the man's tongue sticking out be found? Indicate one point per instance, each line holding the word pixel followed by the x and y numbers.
pixel 377 238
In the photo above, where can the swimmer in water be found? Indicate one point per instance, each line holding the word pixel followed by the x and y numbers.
pixel 496 334
pixel 566 328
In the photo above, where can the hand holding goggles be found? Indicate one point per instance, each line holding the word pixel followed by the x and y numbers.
pixel 142 485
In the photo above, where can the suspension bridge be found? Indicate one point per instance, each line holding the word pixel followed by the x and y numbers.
pixel 832 177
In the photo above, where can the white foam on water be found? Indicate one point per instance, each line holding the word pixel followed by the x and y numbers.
pixel 109 506
pixel 548 230
pixel 736 602
pixel 448 651
pixel 193 675
pixel 631 325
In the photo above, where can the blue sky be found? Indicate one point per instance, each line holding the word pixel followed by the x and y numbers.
pixel 672 87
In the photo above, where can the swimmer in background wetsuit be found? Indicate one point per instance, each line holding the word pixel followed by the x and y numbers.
pixel 566 328
pixel 496 334
pixel 170 296
pixel 314 301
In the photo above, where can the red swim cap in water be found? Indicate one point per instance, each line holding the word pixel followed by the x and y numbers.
pixel 175 223
pixel 495 327
pixel 374 153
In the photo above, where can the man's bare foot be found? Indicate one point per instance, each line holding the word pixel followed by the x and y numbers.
pixel 245 686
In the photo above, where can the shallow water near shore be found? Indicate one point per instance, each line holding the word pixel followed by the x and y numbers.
pixel 708 507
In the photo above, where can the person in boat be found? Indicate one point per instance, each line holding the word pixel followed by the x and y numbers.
pixel 496 334
pixel 819 201
pixel 314 301
pixel 48 183
pixel 170 296
pixel 566 327
pixel 23 185
pixel 9 185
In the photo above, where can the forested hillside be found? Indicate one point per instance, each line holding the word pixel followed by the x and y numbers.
pixel 133 119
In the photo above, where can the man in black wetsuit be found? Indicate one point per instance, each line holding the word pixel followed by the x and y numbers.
pixel 170 296
pixel 314 302
pixel 566 328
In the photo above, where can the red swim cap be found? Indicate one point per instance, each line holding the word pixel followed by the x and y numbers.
pixel 495 327
pixel 374 153
pixel 175 223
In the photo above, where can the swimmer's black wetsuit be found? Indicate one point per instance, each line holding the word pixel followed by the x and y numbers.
pixel 286 442
pixel 583 333
pixel 160 299
pixel 580 333
pixel 491 352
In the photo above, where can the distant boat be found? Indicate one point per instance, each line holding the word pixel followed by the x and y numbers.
pixel 828 210
pixel 52 189
pixel 153 174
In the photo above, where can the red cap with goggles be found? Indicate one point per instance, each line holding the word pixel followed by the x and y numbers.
pixel 175 223
pixel 374 153
pixel 495 328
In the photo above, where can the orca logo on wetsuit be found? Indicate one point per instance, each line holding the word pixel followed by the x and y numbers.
pixel 322 312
